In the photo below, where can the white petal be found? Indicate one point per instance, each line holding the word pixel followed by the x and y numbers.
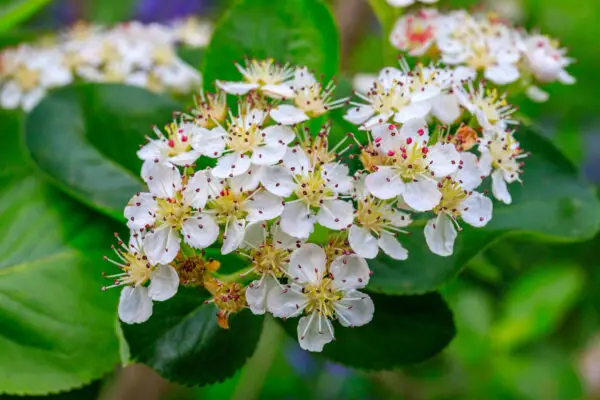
pixel 397 218
pixel 422 195
pixel 362 242
pixel 296 220
pixel 416 129
pixel 153 150
pixel 377 119
pixel 164 283
pixel 337 178
pixel 234 236
pixel 269 154
pixel 196 191
pixel 32 98
pixel 566 78
pixel 413 110
pixel 263 206
pixel 349 272
pixel 140 211
pixel 237 88
pixel 314 332
pixel 257 293
pixel 295 160
pixel 278 180
pixel 358 114
pixel 384 183
pixel 336 214
pixel 278 134
pixel 445 108
pixel 536 94
pixel 502 74
pixel 282 239
pixel 288 115
pixel 161 245
pixel 387 137
pixel 185 159
pixel 444 159
pixel 440 235
pixel 11 94
pixel 469 173
pixel 355 309
pixel 286 302
pixel 307 264
pixel 427 92
pixel 363 83
pixel 281 91
pixel 391 246
pixel 249 180
pixel 134 305
pixel 400 3
pixel 476 210
pixel 200 231
pixel 230 165
pixel 163 180
pixel 255 235
pixel 210 142
pixel 499 188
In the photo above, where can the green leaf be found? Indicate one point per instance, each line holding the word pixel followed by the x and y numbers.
pixel 553 204
pixel 387 16
pixel 57 325
pixel 110 11
pixel 300 32
pixel 537 303
pixel 18 11
pixel 404 330
pixel 183 342
pixel 85 137
pixel 191 55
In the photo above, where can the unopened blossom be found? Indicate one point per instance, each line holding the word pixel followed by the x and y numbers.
pixel 311 99
pixel 322 292
pixel 142 281
pixel 248 143
pixel 546 61
pixel 228 297
pixel 501 156
pixel 411 167
pixel 415 33
pixel 317 184
pixel 269 250
pixel 267 76
pixel 376 225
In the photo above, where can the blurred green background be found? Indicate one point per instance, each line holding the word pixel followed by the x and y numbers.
pixel 527 315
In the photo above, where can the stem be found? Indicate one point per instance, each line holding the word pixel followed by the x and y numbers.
pixel 254 374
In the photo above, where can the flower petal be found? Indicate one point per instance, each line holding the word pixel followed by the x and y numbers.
pixel 536 94
pixel 249 180
pixel 499 187
pixel 268 154
pixel 234 236
pixel 164 283
pixel 355 309
pixel 163 180
pixel 282 239
pixel 196 191
pixel 337 177
pixel 444 159
pixel 255 235
pixel 359 114
pixel 476 210
pixel 469 173
pixel 287 302
pixel 314 332
pixel 231 165
pixel 236 88
pixel 349 272
pixel 281 91
pixel 134 305
pixel 200 231
pixel 210 142
pixel 392 247
pixel 362 242
pixel 278 134
pixel 295 160
pixel 413 110
pixel 263 206
pixel 384 183
pixel 141 211
pixel 446 108
pixel 416 129
pixel 257 293
pixel 502 74
pixel 307 264
pixel 440 235
pixel 161 245
pixel 422 195
pixel 278 180
pixel 288 115
pixel 336 214
pixel 296 220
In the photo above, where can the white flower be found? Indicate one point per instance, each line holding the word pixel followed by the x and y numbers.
pixel 411 167
pixel 192 32
pixel 310 99
pixel 323 294
pixel 406 3
pixel 135 303
pixel 491 109
pixel 316 187
pixel 415 33
pixel 546 61
pixel 267 76
pixel 269 253
pixel 376 224
pixel 248 144
pixel 173 209
pixel 173 148
pixel 501 157
pixel 457 202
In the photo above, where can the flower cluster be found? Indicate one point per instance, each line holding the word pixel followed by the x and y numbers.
pixel 485 44
pixel 255 181
pixel 130 53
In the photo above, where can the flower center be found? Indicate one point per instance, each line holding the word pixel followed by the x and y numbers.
pixel 452 196
pixel 505 154
pixel 410 161
pixel 311 100
pixel 243 139
pixel 270 260
pixel 387 101
pixel 312 189
pixel 265 72
pixel 322 297
pixel 371 214
pixel 210 107
pixel 173 211
pixel 337 246
pixel 480 57
pixel 228 204
pixel 27 78
pixel 418 32
pixel 137 269
pixel 178 142
pixel 163 55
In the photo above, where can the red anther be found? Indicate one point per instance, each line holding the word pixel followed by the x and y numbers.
pixel 421 132
pixel 425 150
pixel 171 143
pixel 184 138
pixel 408 141
pixel 391 153
pixel 378 139
pixel 391 127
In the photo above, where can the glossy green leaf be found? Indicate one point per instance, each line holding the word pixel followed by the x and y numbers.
pixel 553 204
pixel 85 138
pixel 404 330
pixel 537 303
pixel 110 11
pixel 183 342
pixel 57 325
pixel 191 55
pixel 296 31
pixel 17 11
